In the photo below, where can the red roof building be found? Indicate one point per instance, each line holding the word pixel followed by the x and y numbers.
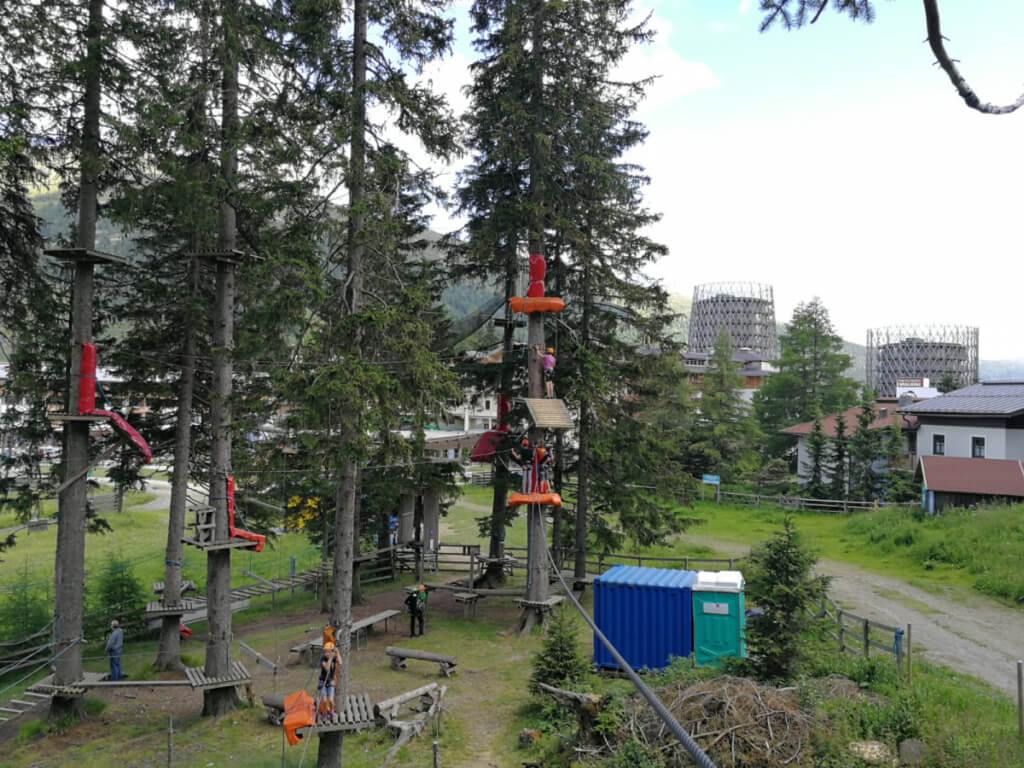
pixel 953 481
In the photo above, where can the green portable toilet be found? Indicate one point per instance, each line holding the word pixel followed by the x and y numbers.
pixel 718 616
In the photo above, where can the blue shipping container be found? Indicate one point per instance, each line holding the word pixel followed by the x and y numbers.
pixel 646 613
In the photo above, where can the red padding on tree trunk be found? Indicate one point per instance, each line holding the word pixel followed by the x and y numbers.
pixel 87 379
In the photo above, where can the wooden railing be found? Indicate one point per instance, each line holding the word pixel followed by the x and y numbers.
pixel 858 635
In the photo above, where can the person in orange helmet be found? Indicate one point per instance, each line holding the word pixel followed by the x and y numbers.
pixel 330 661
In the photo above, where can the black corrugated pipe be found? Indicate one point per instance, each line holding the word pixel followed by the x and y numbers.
pixel 685 739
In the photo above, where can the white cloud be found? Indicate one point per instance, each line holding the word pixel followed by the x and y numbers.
pixel 744 6
pixel 675 76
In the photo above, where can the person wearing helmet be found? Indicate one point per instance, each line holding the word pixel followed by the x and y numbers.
pixel 548 361
pixel 524 456
pixel 416 602
pixel 330 661
pixel 544 460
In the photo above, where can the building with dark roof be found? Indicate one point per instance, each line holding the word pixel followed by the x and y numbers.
pixel 982 421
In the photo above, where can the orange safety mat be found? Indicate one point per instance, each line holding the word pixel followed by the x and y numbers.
pixel 298 713
pixel 530 304
pixel 552 499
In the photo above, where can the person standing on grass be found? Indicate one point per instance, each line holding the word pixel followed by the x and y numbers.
pixel 416 611
pixel 115 644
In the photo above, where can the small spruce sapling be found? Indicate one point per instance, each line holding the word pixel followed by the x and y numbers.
pixel 780 582
pixel 559 662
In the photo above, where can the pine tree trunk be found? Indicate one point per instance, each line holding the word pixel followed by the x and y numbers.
pixel 329 749
pixel 169 653
pixel 218 562
pixel 495 572
pixel 69 566
pixel 583 437
pixel 537 559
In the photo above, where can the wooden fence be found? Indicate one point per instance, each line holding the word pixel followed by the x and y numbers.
pixel 799 502
pixel 858 635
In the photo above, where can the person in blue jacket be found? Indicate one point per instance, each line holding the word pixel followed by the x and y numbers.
pixel 115 644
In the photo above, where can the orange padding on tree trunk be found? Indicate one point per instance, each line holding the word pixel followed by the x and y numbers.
pixel 550 499
pixel 529 304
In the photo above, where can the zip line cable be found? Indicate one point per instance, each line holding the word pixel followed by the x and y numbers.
pixel 680 733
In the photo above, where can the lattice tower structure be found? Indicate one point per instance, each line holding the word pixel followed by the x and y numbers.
pixel 745 310
pixel 932 352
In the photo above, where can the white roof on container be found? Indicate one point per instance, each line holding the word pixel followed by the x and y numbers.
pixel 718 581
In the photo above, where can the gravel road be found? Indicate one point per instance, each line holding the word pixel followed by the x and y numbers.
pixel 980 637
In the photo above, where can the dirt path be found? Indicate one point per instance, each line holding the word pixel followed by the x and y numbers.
pixel 980 637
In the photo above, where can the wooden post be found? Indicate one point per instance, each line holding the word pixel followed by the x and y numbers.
pixel 1020 698
pixel 170 741
pixel 472 569
pixel 839 629
pixel 437 755
pixel 730 563
pixel 867 640
pixel 686 563
pixel 910 666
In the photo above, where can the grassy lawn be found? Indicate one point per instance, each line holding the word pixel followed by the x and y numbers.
pixel 140 536
pixel 487 701
pixel 958 551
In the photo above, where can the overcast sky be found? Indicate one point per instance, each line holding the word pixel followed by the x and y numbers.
pixel 835 161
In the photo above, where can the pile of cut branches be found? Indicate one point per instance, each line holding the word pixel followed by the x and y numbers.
pixel 739 723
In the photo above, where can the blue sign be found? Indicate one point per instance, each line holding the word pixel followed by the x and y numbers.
pixel 711 479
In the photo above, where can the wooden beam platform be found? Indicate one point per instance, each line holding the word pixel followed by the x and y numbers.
pixel 226 544
pixel 47 687
pixel 548 413
pixel 75 417
pixel 356 715
pixel 86 256
pixel 158 609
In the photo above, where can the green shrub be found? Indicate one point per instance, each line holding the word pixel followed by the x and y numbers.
pixel 32 730
pixel 94 707
pixel 24 609
pixel 118 595
pixel 559 662
pixel 634 754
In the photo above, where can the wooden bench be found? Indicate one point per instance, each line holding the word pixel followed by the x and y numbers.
pixel 399 655
pixel 468 600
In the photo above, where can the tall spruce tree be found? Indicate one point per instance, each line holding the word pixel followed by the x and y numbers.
pixel 811 375
pixel 725 432
pixel 839 460
pixel 589 207
pixel 865 451
pixel 815 466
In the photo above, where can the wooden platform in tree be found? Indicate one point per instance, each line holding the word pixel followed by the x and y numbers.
pixel 356 715
pixel 157 610
pixel 549 413
pixel 75 417
pixel 209 546
pixel 85 256
pixel 238 675
pixel 47 687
